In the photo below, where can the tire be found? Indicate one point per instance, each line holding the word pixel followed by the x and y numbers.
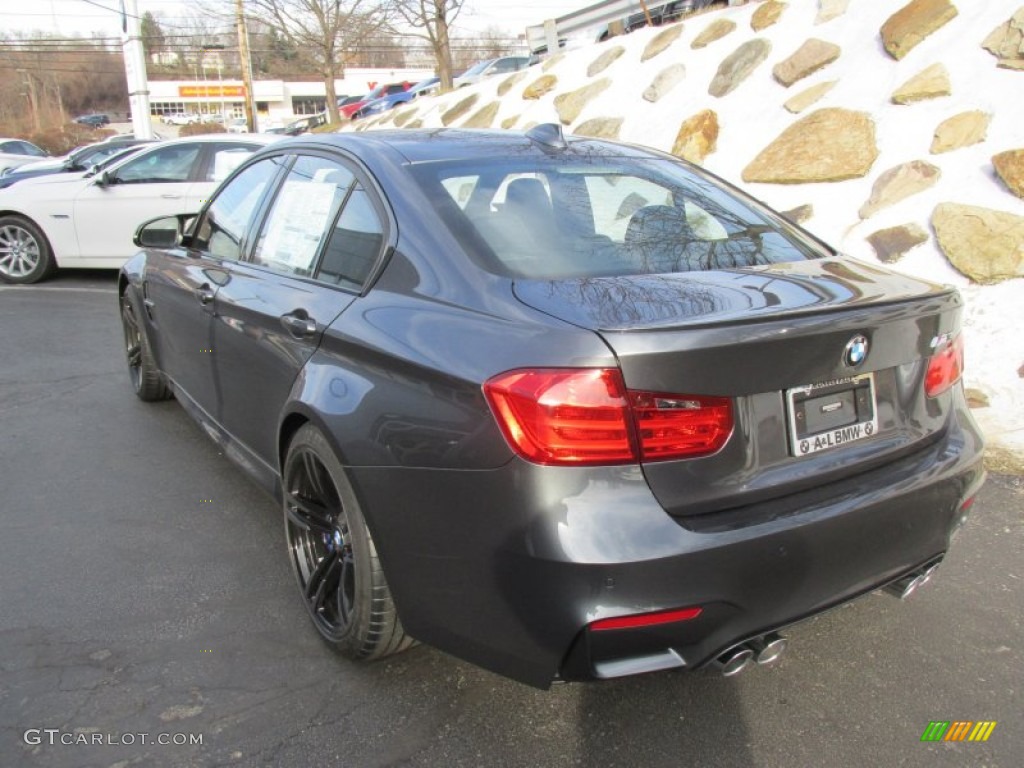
pixel 147 381
pixel 340 577
pixel 25 253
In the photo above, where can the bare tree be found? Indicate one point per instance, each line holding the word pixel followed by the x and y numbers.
pixel 433 18
pixel 329 31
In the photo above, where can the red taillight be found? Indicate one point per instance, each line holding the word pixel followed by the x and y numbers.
pixel 586 416
pixel 564 416
pixel 945 366
pixel 646 619
pixel 675 426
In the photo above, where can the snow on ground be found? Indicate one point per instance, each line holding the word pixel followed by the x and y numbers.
pixel 752 116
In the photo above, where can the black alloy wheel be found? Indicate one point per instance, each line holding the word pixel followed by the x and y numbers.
pixel 147 382
pixel 332 553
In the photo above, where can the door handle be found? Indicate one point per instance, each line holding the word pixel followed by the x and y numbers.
pixel 299 326
pixel 204 294
pixel 170 196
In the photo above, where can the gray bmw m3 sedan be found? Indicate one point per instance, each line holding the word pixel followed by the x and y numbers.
pixel 565 408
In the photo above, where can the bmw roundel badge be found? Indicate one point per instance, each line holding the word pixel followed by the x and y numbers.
pixel 856 351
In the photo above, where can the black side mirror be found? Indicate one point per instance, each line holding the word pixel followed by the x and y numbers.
pixel 165 232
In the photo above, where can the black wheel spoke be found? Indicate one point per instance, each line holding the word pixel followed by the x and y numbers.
pixel 346 585
pixel 135 356
pixel 312 468
pixel 308 514
pixel 323 581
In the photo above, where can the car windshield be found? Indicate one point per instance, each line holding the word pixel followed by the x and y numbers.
pixel 589 217
pixel 479 67
pixel 424 84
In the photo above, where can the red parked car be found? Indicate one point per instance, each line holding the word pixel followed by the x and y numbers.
pixel 347 110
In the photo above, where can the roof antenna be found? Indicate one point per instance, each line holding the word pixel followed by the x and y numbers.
pixel 548 134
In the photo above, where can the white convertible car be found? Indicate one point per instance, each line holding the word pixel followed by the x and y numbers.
pixel 74 220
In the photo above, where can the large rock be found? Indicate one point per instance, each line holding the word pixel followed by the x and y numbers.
pixel 985 245
pixel 542 85
pixel 716 30
pixel 769 13
pixel 912 23
pixel 890 244
pixel 800 214
pixel 460 109
pixel 1010 167
pixel 960 131
pixel 828 145
pixel 605 60
pixel 417 123
pixel 483 117
pixel 552 62
pixel 738 65
pixel 808 59
pixel 511 81
pixel 697 137
pixel 1006 42
pixel 405 116
pixel 806 98
pixel 830 9
pixel 899 183
pixel 569 105
pixel 600 127
pixel 509 122
pixel 661 41
pixel 930 83
pixel 665 81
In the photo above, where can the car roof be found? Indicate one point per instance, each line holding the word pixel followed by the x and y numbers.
pixel 433 145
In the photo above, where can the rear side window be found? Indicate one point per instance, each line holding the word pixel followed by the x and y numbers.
pixel 227 157
pixel 582 217
pixel 354 244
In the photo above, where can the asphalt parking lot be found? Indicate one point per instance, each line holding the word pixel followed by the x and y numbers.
pixel 146 592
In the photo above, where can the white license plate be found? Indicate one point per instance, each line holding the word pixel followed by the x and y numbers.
pixel 831 414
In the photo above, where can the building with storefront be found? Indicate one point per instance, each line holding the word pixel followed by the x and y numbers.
pixel 277 101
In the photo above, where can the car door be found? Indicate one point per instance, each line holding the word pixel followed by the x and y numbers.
pixel 316 247
pixel 179 285
pixel 154 183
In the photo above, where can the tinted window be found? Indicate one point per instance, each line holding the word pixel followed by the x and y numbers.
pixel 167 164
pixel 304 207
pixel 591 216
pixel 227 157
pixel 227 218
pixel 354 244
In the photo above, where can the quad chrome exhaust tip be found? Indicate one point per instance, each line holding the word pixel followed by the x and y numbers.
pixel 762 650
pixel 768 648
pixel 905 587
pixel 735 660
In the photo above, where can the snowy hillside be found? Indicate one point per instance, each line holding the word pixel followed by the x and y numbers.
pixel 654 87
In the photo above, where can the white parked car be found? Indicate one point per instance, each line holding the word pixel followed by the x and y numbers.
pixel 483 69
pixel 181 118
pixel 238 125
pixel 73 220
pixel 17 152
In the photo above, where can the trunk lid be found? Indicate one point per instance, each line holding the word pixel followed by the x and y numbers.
pixel 775 340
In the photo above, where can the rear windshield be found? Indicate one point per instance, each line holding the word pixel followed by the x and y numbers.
pixel 578 217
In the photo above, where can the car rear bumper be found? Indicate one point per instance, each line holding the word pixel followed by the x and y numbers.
pixel 507 568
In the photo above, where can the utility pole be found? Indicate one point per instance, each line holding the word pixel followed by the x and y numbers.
pixel 32 99
pixel 243 52
pixel 135 69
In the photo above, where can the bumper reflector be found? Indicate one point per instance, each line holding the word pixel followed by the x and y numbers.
pixel 645 619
